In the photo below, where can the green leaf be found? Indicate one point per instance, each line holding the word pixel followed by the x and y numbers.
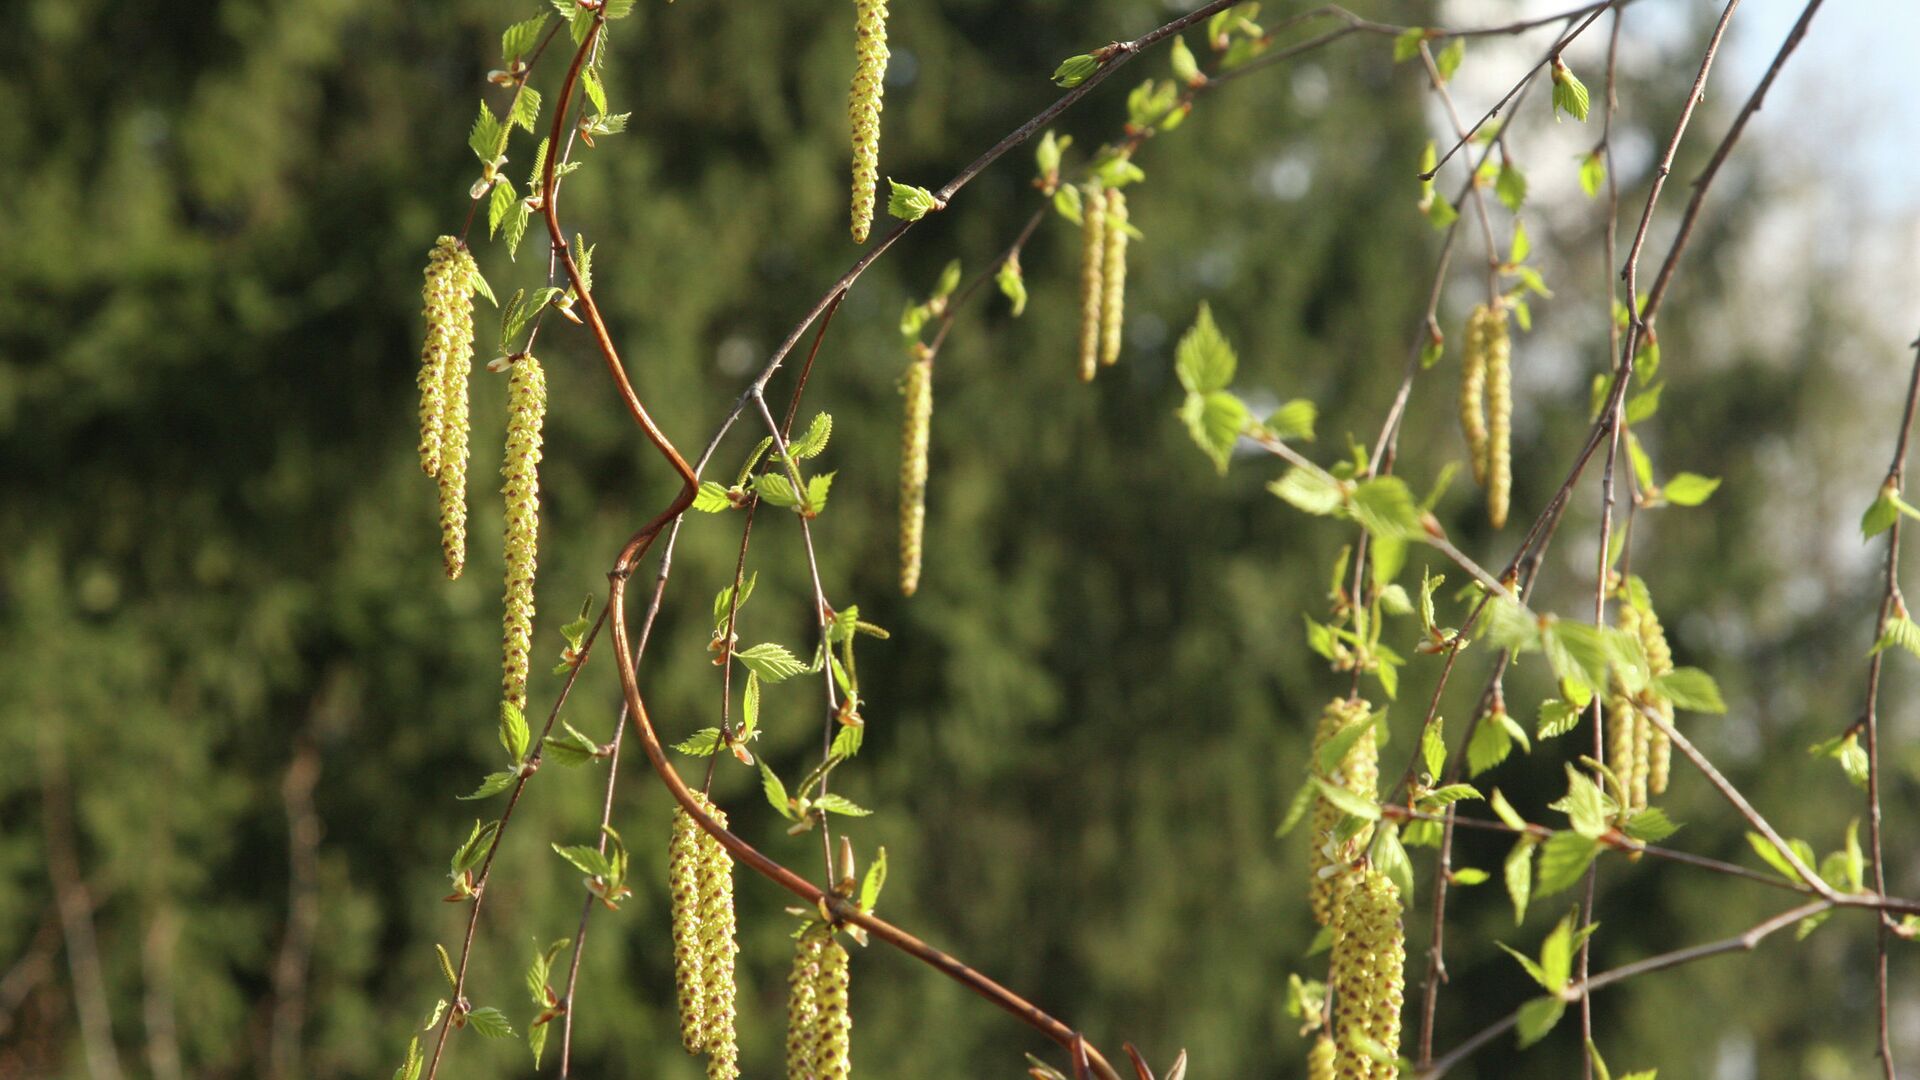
pixel 1347 802
pixel 1569 93
pixel 1689 489
pixel 1204 361
pixel 811 444
pixel 1505 812
pixel 1310 490
pixel 410 1068
pixel 1563 859
pixel 526 109
pixel 513 731
pixel 1185 67
pixel 711 498
pixel 1390 858
pixel 500 205
pixel 1440 212
pixel 1556 719
pixel 1334 750
pixel 1406 44
pixel 1511 626
pixel 521 37
pixel 1642 406
pixel 723 603
pixel 1593 173
pixel 1578 654
pixel 1649 825
pixel 1882 514
pixel 494 784
pixel 1294 420
pixel 1074 70
pixel 1297 809
pixel 1385 508
pixel 596 93
pixel 1511 189
pixel 1519 875
pixel 776 490
pixel 875 880
pixel 488 136
pixel 469 854
pixel 1449 57
pixel 1691 689
pixel 907 202
pixel 1215 420
pixel 771 662
pixel 1537 1018
pixel 1433 747
pixel 587 860
pixel 1441 797
pixel 1532 967
pixel 570 749
pixel 1771 855
pixel 1066 203
pixel 1586 806
pixel 490 1022
pixel 839 804
pixel 702 743
pixel 1490 745
pixel 818 487
pixel 1468 875
pixel 1847 751
pixel 1012 284
pixel 776 791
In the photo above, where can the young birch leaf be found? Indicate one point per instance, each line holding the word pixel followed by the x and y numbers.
pixel 1537 1018
pixel 1519 875
pixel 773 663
pixel 1691 689
pixel 490 1022
pixel 776 791
pixel 1563 859
pixel 907 202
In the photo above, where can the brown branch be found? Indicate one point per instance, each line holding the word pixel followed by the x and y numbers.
pixel 1744 942
pixel 76 912
pixel 1889 601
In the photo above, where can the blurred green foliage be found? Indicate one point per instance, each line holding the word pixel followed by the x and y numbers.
pixel 219 549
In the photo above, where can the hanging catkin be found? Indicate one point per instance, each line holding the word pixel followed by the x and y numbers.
pixel 446 362
pixel 833 1040
pixel 1358 772
pixel 1622 744
pixel 717 951
pixel 526 412
pixel 1473 393
pixel 1653 638
pixel 1499 417
pixel 803 1011
pixel 684 861
pixel 1320 1059
pixel 863 109
pixel 1093 282
pixel 1113 301
pixel 1368 975
pixel 915 427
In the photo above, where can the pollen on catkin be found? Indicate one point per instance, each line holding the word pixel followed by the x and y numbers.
pixel 833 1024
pixel 1113 301
pixel 1368 974
pixel 1653 638
pixel 1359 772
pixel 1320 1059
pixel 684 861
pixel 526 413
pixel 1622 745
pixel 446 363
pixel 1499 418
pixel 915 429
pixel 717 952
pixel 803 1011
pixel 1093 247
pixel 863 109
pixel 1473 393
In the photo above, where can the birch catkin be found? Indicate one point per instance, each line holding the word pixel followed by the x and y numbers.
pixel 717 952
pixel 1113 301
pixel 1473 393
pixel 915 430
pixel 526 412
pixel 1093 282
pixel 1368 974
pixel 1653 638
pixel 833 1037
pixel 863 109
pixel 1320 1059
pixel 684 860
pixel 1499 417
pixel 1358 772
pixel 803 1011
pixel 446 363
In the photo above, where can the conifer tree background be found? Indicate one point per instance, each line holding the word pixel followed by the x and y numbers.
pixel 226 643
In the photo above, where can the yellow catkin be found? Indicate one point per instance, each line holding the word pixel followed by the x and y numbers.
pixel 1642 758
pixel 1320 1059
pixel 1473 393
pixel 803 1011
pixel 1622 749
pixel 717 952
pixel 1653 637
pixel 1499 418
pixel 684 860
pixel 446 363
pixel 1093 247
pixel 833 1040
pixel 526 413
pixel 1359 772
pixel 863 109
pixel 1368 974
pixel 915 427
pixel 1113 301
